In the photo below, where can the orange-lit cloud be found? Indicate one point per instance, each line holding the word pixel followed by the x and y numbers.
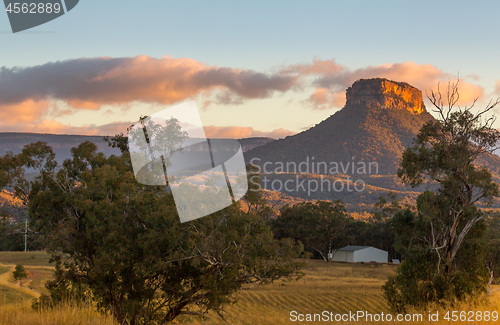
pixel 238 132
pixel 91 83
pixel 35 96
pixel 54 127
pixel 332 80
pixel 467 92
pixel 26 111
pixel 323 98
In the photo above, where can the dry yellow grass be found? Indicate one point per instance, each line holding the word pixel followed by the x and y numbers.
pixel 68 315
pixel 334 287
pixel 7 280
pixel 15 304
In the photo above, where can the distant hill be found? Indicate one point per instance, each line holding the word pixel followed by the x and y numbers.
pixel 62 143
pixel 379 121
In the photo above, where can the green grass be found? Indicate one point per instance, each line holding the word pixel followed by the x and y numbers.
pixel 4 269
pixel 26 258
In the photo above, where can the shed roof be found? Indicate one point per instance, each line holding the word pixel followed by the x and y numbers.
pixel 353 248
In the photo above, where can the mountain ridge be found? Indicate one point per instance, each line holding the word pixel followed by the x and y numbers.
pixel 372 127
pixel 62 143
pixel 379 121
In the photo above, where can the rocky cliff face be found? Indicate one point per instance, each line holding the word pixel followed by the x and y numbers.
pixel 385 93
pixel 380 119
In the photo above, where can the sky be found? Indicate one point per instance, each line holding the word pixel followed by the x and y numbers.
pixel 256 68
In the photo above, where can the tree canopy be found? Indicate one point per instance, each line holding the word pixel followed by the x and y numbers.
pixel 20 274
pixel 443 242
pixel 123 242
pixel 320 226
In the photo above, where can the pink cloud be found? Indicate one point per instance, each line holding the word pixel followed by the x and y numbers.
pixel 320 97
pixel 91 83
pixel 34 96
pixel 468 92
pixel 332 80
pixel 211 131
pixel 318 67
pixel 238 132
pixel 323 98
pixel 54 127
pixel 28 110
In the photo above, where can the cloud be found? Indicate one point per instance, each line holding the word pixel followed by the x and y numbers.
pixel 238 132
pixel 468 92
pixel 211 131
pixel 320 97
pixel 318 67
pixel 94 82
pixel 421 76
pixel 331 80
pixel 26 111
pixel 323 98
pixel 497 88
pixel 54 127
pixel 36 96
pixel 227 98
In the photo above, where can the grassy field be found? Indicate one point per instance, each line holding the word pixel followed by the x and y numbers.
pixel 338 287
pixel 38 269
pixel 15 301
pixel 334 287
pixel 40 259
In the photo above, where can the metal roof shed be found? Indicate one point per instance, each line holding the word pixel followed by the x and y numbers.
pixel 365 254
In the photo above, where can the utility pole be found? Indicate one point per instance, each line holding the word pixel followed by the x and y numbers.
pixel 26 236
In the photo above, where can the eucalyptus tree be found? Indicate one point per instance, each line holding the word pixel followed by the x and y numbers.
pixel 444 240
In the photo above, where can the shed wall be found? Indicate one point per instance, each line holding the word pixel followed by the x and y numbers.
pixel 371 254
pixel 343 256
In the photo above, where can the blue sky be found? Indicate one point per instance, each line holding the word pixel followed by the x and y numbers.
pixel 363 37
